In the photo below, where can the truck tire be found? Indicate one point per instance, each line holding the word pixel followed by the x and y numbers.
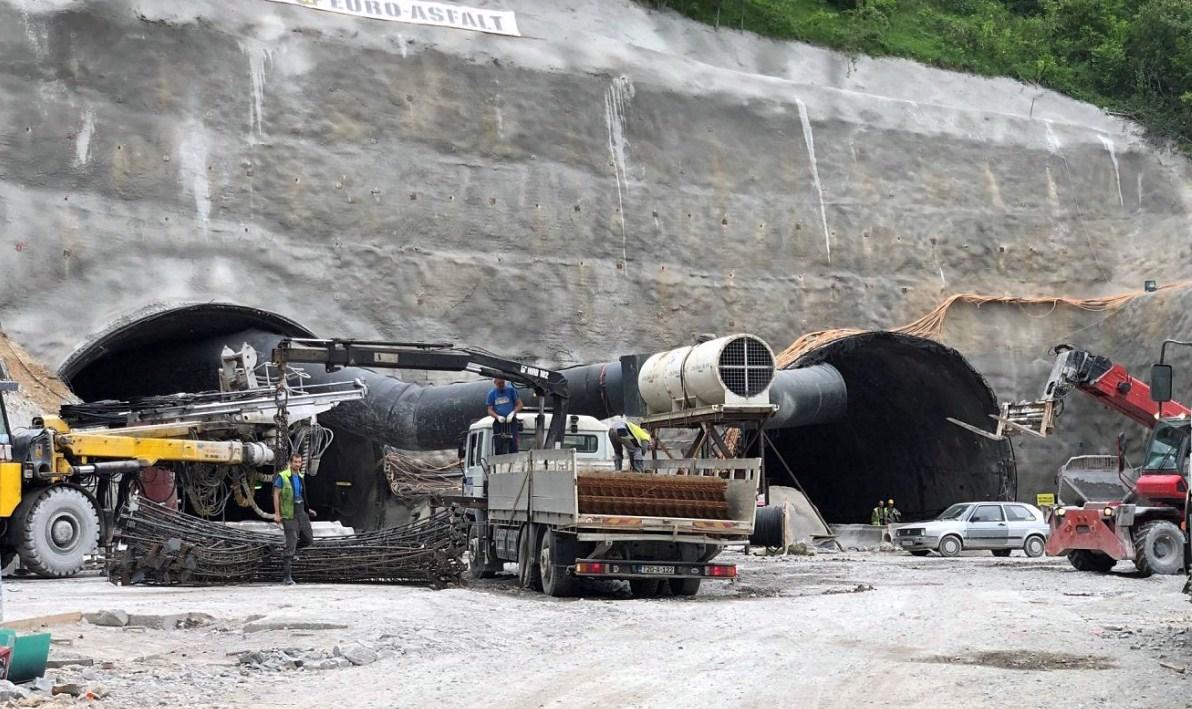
pixel 684 587
pixel 480 563
pixel 1087 560
pixel 1001 552
pixel 553 560
pixel 1158 548
pixel 643 588
pixel 950 545
pixel 527 558
pixel 54 530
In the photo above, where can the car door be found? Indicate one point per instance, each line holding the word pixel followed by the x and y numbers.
pixel 986 528
pixel 1019 521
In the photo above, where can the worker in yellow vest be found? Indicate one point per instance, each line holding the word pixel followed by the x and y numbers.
pixel 627 437
pixel 290 511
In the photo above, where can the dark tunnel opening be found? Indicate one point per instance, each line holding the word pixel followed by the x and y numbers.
pixel 895 440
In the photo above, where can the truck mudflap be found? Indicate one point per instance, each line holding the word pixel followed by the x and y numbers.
pixel 652 569
pixel 1089 528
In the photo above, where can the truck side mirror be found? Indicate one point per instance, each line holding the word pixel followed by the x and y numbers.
pixel 1161 383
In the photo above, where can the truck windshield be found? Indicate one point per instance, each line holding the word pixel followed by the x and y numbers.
pixel 953 512
pixel 1165 447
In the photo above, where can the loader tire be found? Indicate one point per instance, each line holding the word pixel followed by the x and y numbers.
pixel 1158 548
pixel 1087 560
pixel 55 530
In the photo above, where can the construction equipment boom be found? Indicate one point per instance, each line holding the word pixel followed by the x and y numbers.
pixel 1117 513
pixel 53 475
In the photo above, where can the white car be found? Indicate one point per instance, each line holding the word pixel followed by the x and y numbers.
pixel 1000 527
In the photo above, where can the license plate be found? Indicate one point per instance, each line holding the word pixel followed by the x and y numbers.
pixel 659 570
pixel 908 542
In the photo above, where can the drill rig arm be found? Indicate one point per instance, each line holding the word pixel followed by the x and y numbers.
pixel 548 384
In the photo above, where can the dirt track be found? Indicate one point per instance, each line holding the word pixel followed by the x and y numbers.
pixel 973 631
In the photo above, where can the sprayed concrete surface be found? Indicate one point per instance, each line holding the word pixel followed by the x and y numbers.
pixel 655 176
pixel 835 630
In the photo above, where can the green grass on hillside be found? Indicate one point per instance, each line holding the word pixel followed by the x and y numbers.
pixel 1132 57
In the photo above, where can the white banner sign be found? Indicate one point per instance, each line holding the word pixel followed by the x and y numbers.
pixel 420 13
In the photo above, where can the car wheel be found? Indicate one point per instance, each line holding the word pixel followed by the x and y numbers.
pixel 1159 548
pixel 950 546
pixel 1034 547
pixel 919 552
pixel 1001 552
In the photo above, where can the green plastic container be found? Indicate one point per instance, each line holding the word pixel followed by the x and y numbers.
pixel 29 655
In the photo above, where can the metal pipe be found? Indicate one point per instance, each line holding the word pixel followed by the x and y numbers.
pixel 179 350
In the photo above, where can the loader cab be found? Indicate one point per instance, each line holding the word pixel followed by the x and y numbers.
pixel 586 435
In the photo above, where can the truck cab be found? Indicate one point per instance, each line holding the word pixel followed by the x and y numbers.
pixel 586 435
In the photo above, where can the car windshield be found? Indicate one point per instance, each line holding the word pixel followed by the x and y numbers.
pixel 953 512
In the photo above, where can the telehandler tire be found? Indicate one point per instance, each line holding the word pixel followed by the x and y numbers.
pixel 1158 548
pixel 54 530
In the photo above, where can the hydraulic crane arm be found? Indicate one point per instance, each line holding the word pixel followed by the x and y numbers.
pixel 1104 380
pixel 548 384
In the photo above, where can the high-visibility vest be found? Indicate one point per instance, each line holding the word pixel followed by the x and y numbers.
pixel 287 493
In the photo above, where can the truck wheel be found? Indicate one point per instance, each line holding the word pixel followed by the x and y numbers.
pixel 950 546
pixel 1088 560
pixel 553 562
pixel 643 588
pixel 54 531
pixel 480 566
pixel 527 559
pixel 684 587
pixel 1158 548
pixel 1034 547
pixel 1001 552
pixel 920 552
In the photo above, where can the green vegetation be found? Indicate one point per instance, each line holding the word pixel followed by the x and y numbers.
pixel 1132 57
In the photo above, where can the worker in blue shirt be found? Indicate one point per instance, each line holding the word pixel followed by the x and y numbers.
pixel 290 511
pixel 503 405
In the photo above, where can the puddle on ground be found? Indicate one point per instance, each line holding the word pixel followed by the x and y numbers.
pixel 1026 660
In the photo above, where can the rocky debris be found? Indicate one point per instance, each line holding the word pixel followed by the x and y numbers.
pixel 10 691
pixel 176 621
pixel 59 662
pixel 801 549
pixel 71 688
pixel 107 619
pixel 258 626
pixel 859 588
pixel 356 653
pixel 1175 668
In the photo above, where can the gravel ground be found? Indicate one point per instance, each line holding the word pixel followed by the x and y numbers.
pixel 833 630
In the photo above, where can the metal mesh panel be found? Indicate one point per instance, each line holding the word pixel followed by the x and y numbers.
pixel 746 366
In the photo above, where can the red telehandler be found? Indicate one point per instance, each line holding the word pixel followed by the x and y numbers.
pixel 1106 511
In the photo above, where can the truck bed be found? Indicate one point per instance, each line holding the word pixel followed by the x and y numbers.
pixel 712 499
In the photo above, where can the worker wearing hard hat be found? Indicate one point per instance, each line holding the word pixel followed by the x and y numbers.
pixel 503 404
pixel 627 436
pixel 877 517
pixel 893 516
